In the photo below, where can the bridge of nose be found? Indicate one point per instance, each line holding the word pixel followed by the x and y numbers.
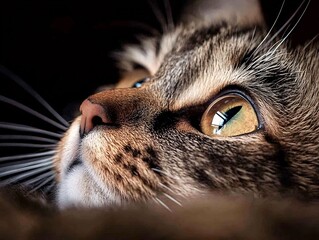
pixel 117 106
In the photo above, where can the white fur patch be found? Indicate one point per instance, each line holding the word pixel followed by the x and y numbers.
pixel 79 187
pixel 71 147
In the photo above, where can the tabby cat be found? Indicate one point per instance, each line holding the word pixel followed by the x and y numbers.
pixel 222 106
pixel 216 105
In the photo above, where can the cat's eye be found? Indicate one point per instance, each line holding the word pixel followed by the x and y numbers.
pixel 229 115
pixel 139 83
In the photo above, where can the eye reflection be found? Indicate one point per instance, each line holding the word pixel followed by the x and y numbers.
pixel 221 119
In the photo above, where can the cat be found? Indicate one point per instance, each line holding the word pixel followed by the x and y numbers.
pixel 222 107
pixel 217 105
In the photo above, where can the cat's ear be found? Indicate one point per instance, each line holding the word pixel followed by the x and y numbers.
pixel 239 12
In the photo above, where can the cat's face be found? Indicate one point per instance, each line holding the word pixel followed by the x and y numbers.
pixel 219 111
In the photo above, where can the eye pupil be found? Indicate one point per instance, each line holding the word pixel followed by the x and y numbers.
pixel 232 112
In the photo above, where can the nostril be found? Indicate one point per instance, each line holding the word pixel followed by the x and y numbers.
pixel 93 114
pixel 96 120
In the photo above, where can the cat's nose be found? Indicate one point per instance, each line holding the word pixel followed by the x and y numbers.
pixel 93 114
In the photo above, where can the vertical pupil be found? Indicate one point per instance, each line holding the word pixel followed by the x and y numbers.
pixel 232 112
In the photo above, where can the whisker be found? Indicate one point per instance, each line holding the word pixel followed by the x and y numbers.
pixel 32 112
pixel 24 176
pixel 39 178
pixel 24 137
pixel 33 93
pixel 274 48
pixel 26 128
pixel 19 165
pixel 172 199
pixel 36 166
pixel 272 27
pixel 27 156
pixel 293 28
pixel 288 22
pixel 42 184
pixel 27 145
pixel 311 41
pixel 163 204
pixel 165 173
pixel 164 186
pixel 270 51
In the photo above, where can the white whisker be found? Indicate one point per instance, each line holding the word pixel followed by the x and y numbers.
pixel 163 204
pixel 33 93
pixel 39 178
pixel 27 156
pixel 25 137
pixel 272 27
pixel 27 145
pixel 32 112
pixel 26 128
pixel 36 166
pixel 172 199
pixel 310 42
pixel 13 166
pixel 288 22
pixel 25 175
pixel 164 186
pixel 293 28
pixel 266 59
pixel 274 48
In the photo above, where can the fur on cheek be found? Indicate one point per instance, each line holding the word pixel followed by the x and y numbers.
pixel 117 165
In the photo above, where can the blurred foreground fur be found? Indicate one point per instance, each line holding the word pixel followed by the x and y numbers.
pixel 213 217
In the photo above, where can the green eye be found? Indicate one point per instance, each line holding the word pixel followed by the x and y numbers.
pixel 229 115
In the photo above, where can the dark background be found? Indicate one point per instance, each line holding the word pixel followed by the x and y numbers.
pixel 62 48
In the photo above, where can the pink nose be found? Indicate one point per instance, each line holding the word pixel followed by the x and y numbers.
pixel 92 115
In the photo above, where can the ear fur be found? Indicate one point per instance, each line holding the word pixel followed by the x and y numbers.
pixel 237 12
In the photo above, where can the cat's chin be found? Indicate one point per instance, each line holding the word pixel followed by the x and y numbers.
pixel 78 186
pixel 79 189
